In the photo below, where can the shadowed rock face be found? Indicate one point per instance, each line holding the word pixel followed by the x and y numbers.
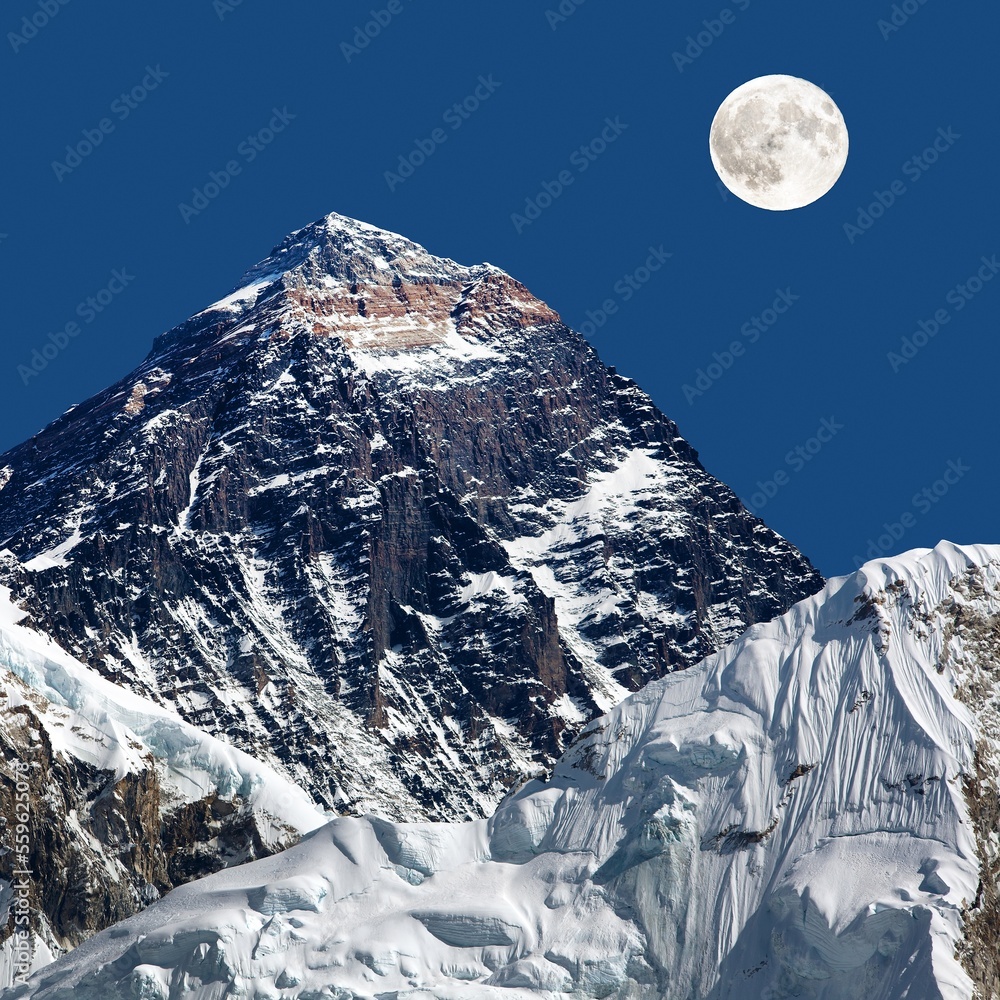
pixel 974 637
pixel 386 522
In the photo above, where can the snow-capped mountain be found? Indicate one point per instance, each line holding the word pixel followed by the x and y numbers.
pixel 810 812
pixel 385 523
pixel 109 800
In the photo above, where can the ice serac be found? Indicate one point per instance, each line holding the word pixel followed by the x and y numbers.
pixel 809 812
pixel 385 522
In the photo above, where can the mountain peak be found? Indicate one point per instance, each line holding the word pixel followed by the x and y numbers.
pixel 381 522
pixel 378 291
pixel 337 246
pixel 374 492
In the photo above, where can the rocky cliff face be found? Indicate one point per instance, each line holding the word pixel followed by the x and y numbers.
pixel 385 522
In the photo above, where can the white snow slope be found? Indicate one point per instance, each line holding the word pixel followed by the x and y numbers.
pixel 785 819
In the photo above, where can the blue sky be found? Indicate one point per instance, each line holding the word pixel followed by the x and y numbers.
pixel 860 420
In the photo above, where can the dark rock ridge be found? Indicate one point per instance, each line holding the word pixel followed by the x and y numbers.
pixel 384 522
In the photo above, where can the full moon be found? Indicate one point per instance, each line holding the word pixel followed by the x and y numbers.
pixel 779 142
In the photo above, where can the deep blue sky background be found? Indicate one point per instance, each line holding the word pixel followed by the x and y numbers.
pixel 826 358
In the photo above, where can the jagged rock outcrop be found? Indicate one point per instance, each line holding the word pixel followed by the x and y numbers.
pixel 100 845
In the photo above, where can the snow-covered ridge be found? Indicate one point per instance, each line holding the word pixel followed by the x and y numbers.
pixel 786 819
